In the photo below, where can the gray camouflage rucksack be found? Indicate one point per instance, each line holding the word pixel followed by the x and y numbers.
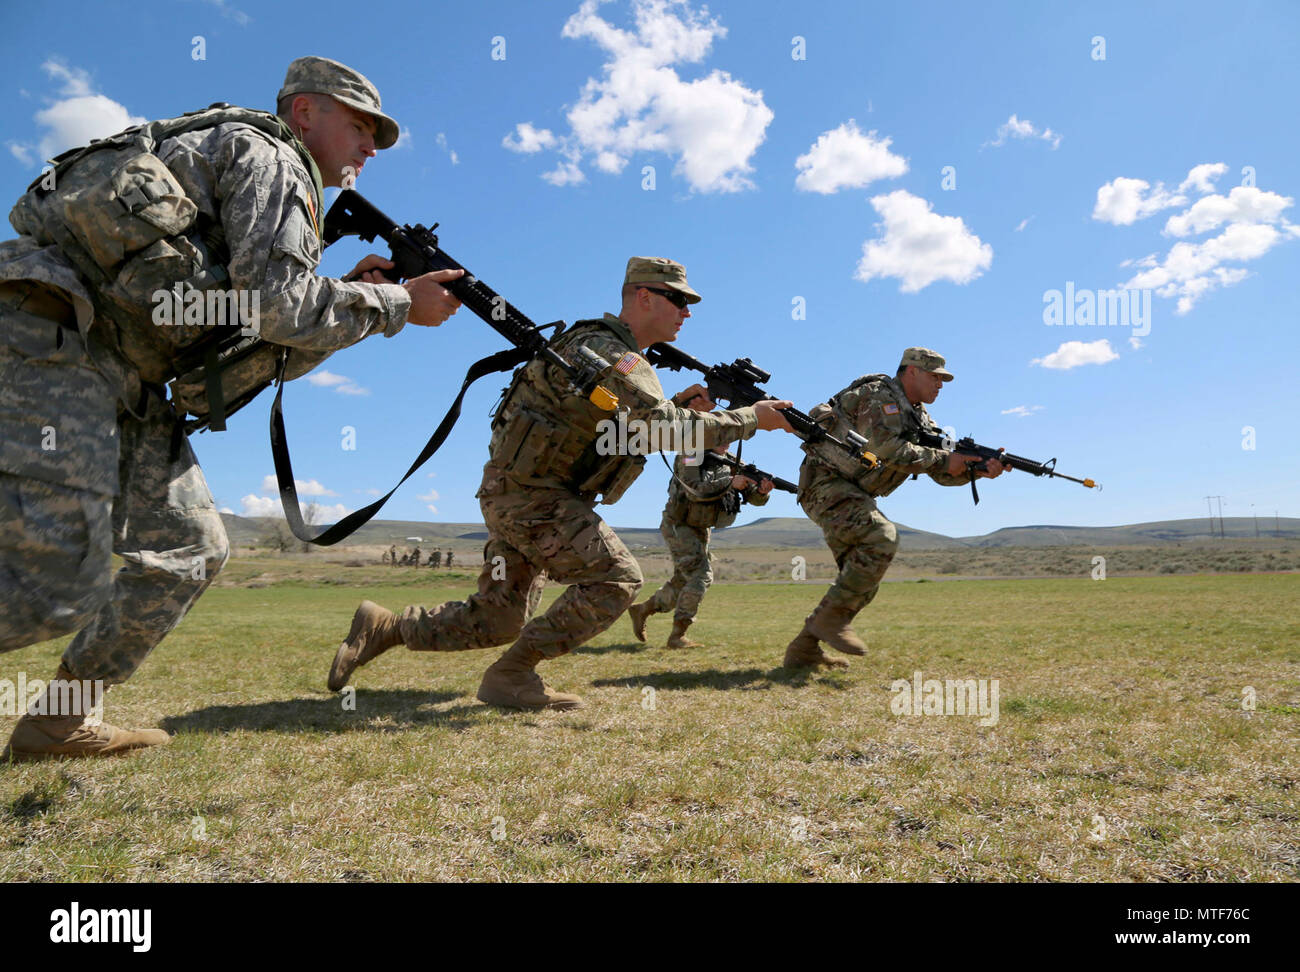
pixel 116 211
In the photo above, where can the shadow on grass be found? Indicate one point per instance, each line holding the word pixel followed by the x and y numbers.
pixel 625 648
pixel 745 679
pixel 402 707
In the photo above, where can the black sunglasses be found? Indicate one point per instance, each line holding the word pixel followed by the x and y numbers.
pixel 676 297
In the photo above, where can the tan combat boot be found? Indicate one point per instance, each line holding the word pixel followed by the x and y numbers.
pixel 511 682
pixel 678 638
pixel 805 652
pixel 834 625
pixel 47 736
pixel 374 631
pixel 638 614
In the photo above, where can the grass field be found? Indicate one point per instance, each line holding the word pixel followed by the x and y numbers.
pixel 1122 751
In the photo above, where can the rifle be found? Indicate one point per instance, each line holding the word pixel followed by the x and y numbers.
pixel 737 385
pixel 935 439
pixel 415 251
pixel 750 471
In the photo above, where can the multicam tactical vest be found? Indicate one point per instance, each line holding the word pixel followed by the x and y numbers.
pixel 711 505
pixel 122 218
pixel 545 435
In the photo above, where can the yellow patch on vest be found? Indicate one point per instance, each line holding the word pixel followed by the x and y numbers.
pixel 627 363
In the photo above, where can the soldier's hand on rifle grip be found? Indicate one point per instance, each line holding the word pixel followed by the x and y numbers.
pixel 957 463
pixel 770 417
pixel 766 487
pixel 696 398
pixel 368 270
pixel 431 302
pixel 993 469
pixel 741 482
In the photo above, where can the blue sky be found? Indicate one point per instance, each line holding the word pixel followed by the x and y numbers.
pixel 1168 165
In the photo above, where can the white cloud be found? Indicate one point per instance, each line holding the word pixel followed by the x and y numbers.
pixel 266 506
pixel 1023 411
pixel 1135 343
pixel 1124 201
pixel 527 139
pixel 918 246
pixel 340 383
pixel 429 497
pixel 712 125
pixel 78 115
pixel 1201 177
pixel 227 510
pixel 1244 204
pixel 441 139
pixel 845 158
pixel 1072 354
pixel 1191 270
pixel 403 139
pixel 308 487
pixel 431 508
pixel 371 492
pixel 261 506
pixel 1023 223
pixel 238 16
pixel 1014 127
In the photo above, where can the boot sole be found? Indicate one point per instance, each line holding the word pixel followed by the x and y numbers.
pixel 561 706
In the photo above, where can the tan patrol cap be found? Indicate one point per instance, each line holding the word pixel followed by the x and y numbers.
pixel 926 360
pixel 320 75
pixel 657 270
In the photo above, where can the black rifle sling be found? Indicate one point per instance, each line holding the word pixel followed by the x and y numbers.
pixel 501 361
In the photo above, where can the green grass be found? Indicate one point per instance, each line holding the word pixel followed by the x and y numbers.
pixel 1120 703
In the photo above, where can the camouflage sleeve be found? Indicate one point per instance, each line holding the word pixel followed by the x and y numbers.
pixel 754 498
pixel 944 478
pixel 880 419
pixel 267 213
pixel 671 428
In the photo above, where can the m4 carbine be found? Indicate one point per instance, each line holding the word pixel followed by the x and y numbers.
pixel 935 439
pixel 415 251
pixel 750 471
pixel 737 384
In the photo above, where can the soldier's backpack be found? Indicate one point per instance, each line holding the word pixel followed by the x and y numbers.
pixel 116 211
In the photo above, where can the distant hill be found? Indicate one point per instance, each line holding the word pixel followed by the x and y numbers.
pixel 798 532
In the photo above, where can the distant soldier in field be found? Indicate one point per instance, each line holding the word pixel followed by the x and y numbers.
pixel 435 559
pixel 841 498
pixel 702 494
pixel 549 463
pixel 392 555
pixel 450 555
pixel 415 557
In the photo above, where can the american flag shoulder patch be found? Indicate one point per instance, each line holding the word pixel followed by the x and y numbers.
pixel 627 363
pixel 891 409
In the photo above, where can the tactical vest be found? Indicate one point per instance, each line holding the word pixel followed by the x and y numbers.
pixel 122 218
pixel 835 417
pixel 544 435
pixel 718 511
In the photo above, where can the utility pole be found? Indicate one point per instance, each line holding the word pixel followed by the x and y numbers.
pixel 1207 505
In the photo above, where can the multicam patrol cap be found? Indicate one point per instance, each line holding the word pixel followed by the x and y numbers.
pixel 320 75
pixel 662 272
pixel 926 360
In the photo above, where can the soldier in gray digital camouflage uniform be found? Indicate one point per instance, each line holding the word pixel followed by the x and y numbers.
pixel 551 457
pixel 93 459
pixel 840 497
pixel 703 493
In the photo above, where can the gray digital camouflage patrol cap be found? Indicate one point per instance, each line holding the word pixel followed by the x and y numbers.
pixel 665 273
pixel 320 75
pixel 926 360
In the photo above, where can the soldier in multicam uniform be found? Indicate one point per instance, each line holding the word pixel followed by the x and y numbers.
pixel 435 559
pixel 702 494
pixel 546 469
pixel 415 557
pixel 450 557
pixel 93 459
pixel 841 497
pixel 392 555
